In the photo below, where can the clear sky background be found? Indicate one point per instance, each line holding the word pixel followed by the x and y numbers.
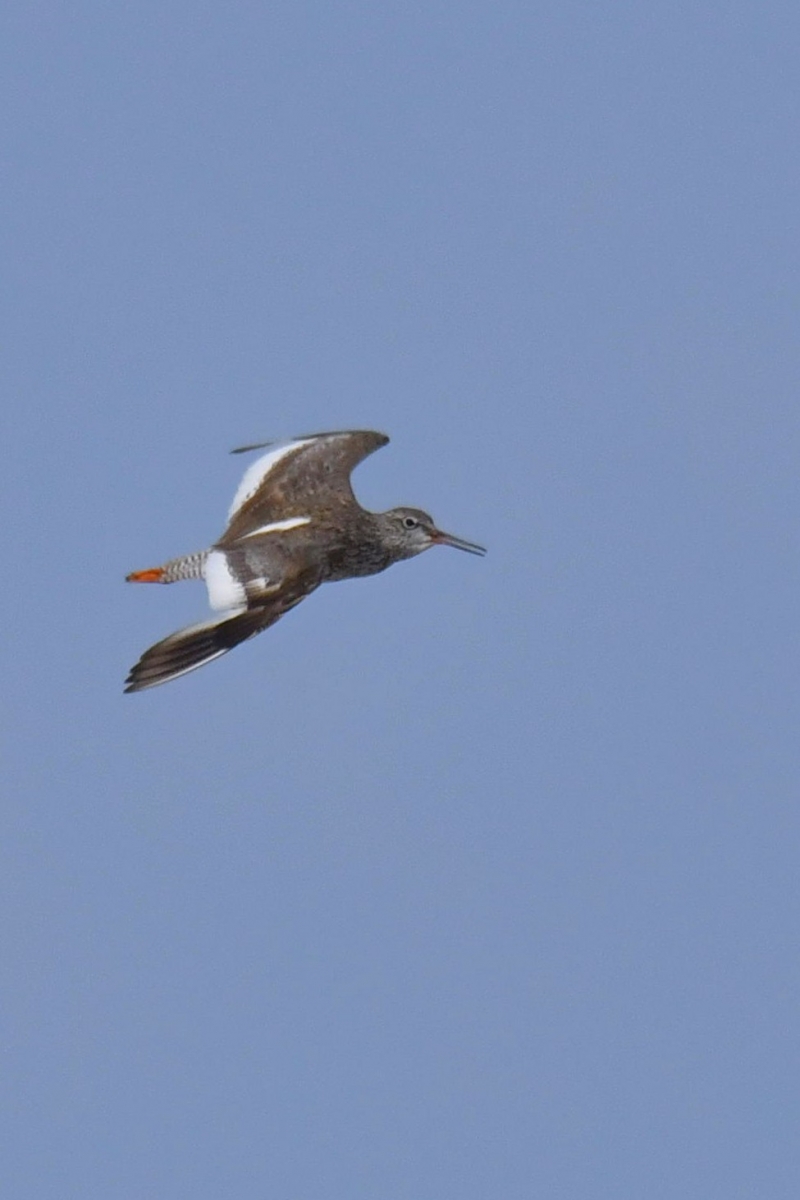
pixel 478 879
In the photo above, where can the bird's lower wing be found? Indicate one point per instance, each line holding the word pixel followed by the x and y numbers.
pixel 197 645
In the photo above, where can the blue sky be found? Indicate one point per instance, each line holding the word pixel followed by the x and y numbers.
pixel 477 878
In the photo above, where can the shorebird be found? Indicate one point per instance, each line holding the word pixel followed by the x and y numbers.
pixel 294 523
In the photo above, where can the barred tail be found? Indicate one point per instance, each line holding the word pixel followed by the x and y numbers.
pixel 189 566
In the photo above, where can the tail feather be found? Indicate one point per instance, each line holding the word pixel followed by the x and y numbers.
pixel 191 648
pixel 188 566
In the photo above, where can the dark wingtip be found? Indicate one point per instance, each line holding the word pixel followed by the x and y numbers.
pixel 383 439
pixel 131 683
pixel 253 446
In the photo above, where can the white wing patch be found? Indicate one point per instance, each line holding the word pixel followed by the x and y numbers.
pixel 224 589
pixel 255 475
pixel 279 526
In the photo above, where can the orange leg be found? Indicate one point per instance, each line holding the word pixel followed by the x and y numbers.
pixel 152 575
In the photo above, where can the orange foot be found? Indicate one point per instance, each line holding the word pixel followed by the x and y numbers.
pixel 153 575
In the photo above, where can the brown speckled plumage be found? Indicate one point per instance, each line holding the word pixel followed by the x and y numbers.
pixel 294 524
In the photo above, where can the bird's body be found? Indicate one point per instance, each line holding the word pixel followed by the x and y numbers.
pixel 294 523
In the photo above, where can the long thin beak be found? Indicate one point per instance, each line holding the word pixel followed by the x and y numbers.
pixel 449 539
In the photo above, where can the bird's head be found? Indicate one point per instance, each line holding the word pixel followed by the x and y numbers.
pixel 409 531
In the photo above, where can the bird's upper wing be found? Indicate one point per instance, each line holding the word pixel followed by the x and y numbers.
pixel 281 487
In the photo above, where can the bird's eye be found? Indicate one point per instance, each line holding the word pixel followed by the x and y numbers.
pixel 410 522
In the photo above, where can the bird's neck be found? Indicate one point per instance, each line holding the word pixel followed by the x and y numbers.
pixel 362 550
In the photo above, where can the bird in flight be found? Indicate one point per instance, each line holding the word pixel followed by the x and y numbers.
pixel 294 523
